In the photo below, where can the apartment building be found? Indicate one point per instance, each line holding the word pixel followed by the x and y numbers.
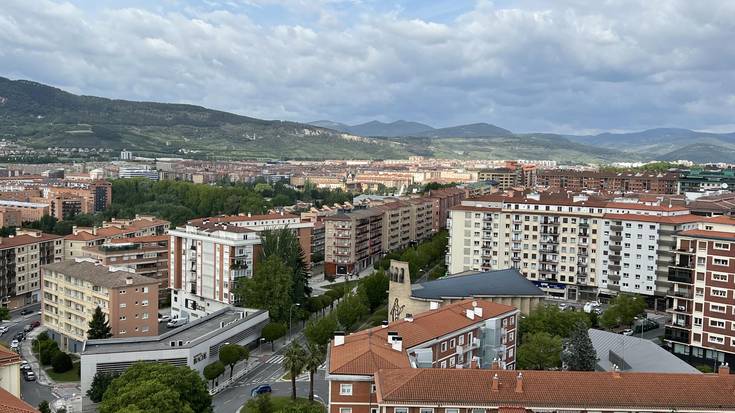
pixel 206 258
pixel 511 176
pixel 701 299
pixel 147 256
pixel 10 218
pixel 21 258
pixel 698 180
pixel 575 181
pixel 140 226
pixel 443 200
pixel 353 241
pixel 550 238
pixel 459 335
pixel 405 390
pixel 29 211
pixel 73 289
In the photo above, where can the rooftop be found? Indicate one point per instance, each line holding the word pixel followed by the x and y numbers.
pixel 508 282
pixel 98 274
pixel 367 351
pixel 189 334
pixel 25 239
pixel 634 354
pixel 12 404
pixel 699 233
pixel 554 389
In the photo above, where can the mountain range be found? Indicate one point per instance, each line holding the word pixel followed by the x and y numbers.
pixel 41 116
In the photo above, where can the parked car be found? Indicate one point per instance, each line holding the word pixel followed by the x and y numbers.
pixel 177 322
pixel 563 306
pixel 164 317
pixel 19 336
pixel 645 325
pixel 35 324
pixel 24 365
pixel 14 345
pixel 262 389
pixel 627 332
pixel 597 311
pixel 3 330
pixel 25 311
pixel 30 375
pixel 27 328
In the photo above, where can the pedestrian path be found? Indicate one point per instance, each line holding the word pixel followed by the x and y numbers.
pixel 277 359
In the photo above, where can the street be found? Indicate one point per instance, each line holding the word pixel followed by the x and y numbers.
pixel 31 391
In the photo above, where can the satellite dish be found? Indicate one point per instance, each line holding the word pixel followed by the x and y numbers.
pixel 724 185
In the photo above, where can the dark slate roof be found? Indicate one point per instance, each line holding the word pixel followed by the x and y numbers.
pixel 508 282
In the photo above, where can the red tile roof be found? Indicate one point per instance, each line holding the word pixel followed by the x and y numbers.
pixel 12 404
pixel 645 207
pixel 700 233
pixel 674 219
pixel 26 239
pixel 557 389
pixel 367 351
pixel 8 357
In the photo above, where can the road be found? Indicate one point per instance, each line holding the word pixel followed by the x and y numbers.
pixel 32 392
pixel 270 372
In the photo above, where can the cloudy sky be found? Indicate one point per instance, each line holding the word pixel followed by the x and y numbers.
pixel 527 65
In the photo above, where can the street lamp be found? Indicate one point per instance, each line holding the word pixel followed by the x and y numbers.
pixel 289 318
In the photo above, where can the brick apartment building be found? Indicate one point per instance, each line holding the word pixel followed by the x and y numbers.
pixel 352 241
pixel 444 199
pixel 73 289
pixel 21 258
pixel 407 390
pixel 140 226
pixel 511 176
pixel 147 256
pixel 458 335
pixel 567 180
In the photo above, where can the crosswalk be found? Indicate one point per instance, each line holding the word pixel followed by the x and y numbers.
pixel 277 359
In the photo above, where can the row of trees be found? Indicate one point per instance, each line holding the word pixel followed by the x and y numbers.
pixel 229 355
pixel 50 354
pixel 422 257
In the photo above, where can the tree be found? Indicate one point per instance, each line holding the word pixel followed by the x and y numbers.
pixel 260 404
pixel 98 326
pixel 100 383
pixel 44 407
pixel 214 370
pixel 230 354
pixel 293 363
pixel 623 310
pixel 579 354
pixel 4 314
pixel 284 244
pixel 350 311
pixel 539 351
pixel 158 387
pixel 61 362
pixel 269 288
pixel 312 360
pixel 47 350
pixel 321 331
pixel 273 331
pixel 375 289
pixel 550 319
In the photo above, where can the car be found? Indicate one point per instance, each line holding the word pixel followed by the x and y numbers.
pixel 24 365
pixel 177 322
pixel 25 311
pixel 627 332
pixel 261 389
pixel 27 328
pixel 14 344
pixel 19 336
pixel 563 306
pixel 597 311
pixel 35 324
pixel 3 330
pixel 164 317
pixel 30 375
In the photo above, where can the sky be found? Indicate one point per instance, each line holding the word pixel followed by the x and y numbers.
pixel 563 66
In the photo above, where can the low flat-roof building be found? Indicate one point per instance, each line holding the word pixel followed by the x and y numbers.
pixel 195 344
pixel 507 287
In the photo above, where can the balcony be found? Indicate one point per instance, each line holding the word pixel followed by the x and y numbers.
pixel 549 222
pixel 616 238
pixel 680 275
pixel 515 258
pixel 616 227
pixel 548 250
pixel 616 247
pixel 583 224
pixel 681 293
pixel 677 335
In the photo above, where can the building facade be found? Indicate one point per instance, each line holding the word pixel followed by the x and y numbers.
pixel 140 226
pixel 639 182
pixel 73 289
pixel 21 259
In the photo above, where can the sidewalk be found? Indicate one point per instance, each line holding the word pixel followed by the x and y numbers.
pixel 27 353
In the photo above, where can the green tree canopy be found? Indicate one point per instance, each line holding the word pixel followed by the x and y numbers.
pixel 540 351
pixel 61 362
pixel 293 363
pixel 375 289
pixel 100 383
pixel 313 358
pixel 213 370
pixel 44 407
pixel 98 326
pixel 273 331
pixel 269 288
pixel 231 354
pixel 579 354
pixel 623 310
pixel 284 244
pixel 157 387
pixel 320 331
pixel 550 319
pixel 350 311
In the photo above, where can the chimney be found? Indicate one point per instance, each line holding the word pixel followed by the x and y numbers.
pixel 724 369
pixel 433 305
pixel 94 230
pixel 475 363
pixel 470 314
pixel 495 365
pixel 392 334
pixel 616 371
pixel 129 280
pixel 249 215
pixel 496 383
pixel 478 311
pixel 409 317
pixel 519 383
pixel 474 304
pixel 339 338
pixel 385 324
pixel 397 343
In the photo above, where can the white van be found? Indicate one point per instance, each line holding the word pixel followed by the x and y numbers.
pixel 177 322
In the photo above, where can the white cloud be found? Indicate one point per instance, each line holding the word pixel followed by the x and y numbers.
pixel 564 66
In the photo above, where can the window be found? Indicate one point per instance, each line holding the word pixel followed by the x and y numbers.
pixel 399 410
pixel 426 410
pixel 720 261
pixel 123 305
pixel 460 340
pixel 510 353
pixel 451 361
pixel 722 246
pixel 719 277
pixel 345 389
pixel 443 364
pixel 716 339
pixel 451 410
pixel 144 303
pixel 452 343
pixel 347 410
pixel 373 388
pixel 123 318
pixel 444 346
pixel 718 292
pixel 717 308
pixel 716 323
pixel 145 289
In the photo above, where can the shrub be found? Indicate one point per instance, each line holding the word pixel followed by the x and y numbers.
pixel 61 362
pixel 47 351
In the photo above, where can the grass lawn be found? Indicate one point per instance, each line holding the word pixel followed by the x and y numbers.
pixel 71 375
pixel 281 403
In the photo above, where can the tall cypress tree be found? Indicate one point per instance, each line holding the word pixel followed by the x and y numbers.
pixel 98 326
pixel 284 244
pixel 579 354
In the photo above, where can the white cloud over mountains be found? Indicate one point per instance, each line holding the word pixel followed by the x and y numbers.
pixel 562 66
